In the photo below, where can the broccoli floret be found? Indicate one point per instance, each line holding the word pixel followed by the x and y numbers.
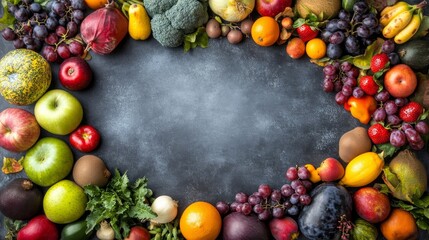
pixel 186 14
pixel 164 33
pixel 154 7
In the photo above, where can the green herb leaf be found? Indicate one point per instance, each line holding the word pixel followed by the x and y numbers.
pixel 388 149
pixel 12 227
pixel 120 203
pixel 198 38
pixel 7 20
pixel 364 61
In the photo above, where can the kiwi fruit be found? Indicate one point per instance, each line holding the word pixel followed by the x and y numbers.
pixel 90 170
pixel 21 199
pixel 354 143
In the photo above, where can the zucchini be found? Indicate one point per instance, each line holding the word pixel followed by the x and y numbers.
pixel 75 231
pixel 415 53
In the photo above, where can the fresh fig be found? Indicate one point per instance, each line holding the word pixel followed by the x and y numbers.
pixel 20 199
pixel 405 176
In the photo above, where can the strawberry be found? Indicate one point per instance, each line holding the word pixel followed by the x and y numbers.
pixel 379 62
pixel 307 32
pixel 368 85
pixel 411 112
pixel 378 134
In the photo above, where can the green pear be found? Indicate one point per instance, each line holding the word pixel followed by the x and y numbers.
pixel 64 202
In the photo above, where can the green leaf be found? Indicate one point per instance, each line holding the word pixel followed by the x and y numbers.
pixel 422 224
pixel 426 213
pixel 388 149
pixel 298 22
pixel 363 61
pixel 195 39
pixel 7 20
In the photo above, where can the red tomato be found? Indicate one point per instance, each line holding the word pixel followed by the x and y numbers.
pixel 85 138
pixel 138 233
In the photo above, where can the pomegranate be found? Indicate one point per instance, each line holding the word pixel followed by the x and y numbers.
pixel 103 29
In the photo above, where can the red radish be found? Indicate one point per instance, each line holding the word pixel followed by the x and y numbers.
pixel 39 228
pixel 103 29
pixel 284 228
pixel 138 233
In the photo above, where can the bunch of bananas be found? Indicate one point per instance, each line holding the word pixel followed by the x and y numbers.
pixel 401 21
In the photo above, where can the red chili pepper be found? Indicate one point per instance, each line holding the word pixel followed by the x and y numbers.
pixel 85 138
pixel 361 108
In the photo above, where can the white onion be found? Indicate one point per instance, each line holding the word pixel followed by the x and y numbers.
pixel 232 10
pixel 166 209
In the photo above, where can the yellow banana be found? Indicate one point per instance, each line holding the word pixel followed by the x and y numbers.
pixel 408 32
pixel 389 13
pixel 397 24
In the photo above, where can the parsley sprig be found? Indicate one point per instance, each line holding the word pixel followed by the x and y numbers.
pixel 120 203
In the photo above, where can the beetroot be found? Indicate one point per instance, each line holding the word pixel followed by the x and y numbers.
pixel 39 228
pixel 103 29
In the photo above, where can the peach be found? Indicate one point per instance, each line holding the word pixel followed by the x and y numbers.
pixel 330 170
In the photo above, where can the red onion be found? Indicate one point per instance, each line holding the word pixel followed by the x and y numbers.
pixel 103 29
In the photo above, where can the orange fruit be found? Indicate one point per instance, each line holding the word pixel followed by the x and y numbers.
pixel 200 221
pixel 95 4
pixel 400 225
pixel 265 31
pixel 295 48
pixel 315 48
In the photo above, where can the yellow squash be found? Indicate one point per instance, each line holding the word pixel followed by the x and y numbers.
pixel 362 170
pixel 139 22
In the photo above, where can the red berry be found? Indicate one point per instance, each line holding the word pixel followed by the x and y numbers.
pixel 411 112
pixel 368 85
pixel 306 32
pixel 378 134
pixel 379 62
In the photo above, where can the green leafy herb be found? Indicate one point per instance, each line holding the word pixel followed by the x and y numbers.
pixel 388 149
pixel 364 61
pixel 7 20
pixel 12 228
pixel 198 38
pixel 120 203
pixel 420 210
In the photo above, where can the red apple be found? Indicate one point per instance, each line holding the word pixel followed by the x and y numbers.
pixel 271 7
pixel 19 129
pixel 400 81
pixel 75 73
pixel 330 170
pixel 39 228
pixel 371 205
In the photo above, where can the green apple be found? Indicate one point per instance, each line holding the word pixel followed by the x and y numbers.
pixel 64 202
pixel 48 161
pixel 58 112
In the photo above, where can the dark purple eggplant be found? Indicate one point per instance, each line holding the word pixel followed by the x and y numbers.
pixel 320 219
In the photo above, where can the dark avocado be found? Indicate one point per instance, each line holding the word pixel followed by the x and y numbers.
pixel 20 199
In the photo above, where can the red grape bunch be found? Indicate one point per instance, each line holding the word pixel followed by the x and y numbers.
pixel 268 202
pixel 51 29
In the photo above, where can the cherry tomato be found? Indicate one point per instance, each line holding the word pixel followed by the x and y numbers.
pixel 138 233
pixel 85 138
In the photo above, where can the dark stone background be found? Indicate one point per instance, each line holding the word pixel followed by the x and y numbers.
pixel 206 124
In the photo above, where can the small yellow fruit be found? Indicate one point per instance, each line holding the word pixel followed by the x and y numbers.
pixel 139 22
pixel 315 48
pixel 362 170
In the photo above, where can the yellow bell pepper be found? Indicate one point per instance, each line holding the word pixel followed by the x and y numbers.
pixel 361 108
pixel 363 169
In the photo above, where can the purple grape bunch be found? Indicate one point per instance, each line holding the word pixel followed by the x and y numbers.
pixel 268 202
